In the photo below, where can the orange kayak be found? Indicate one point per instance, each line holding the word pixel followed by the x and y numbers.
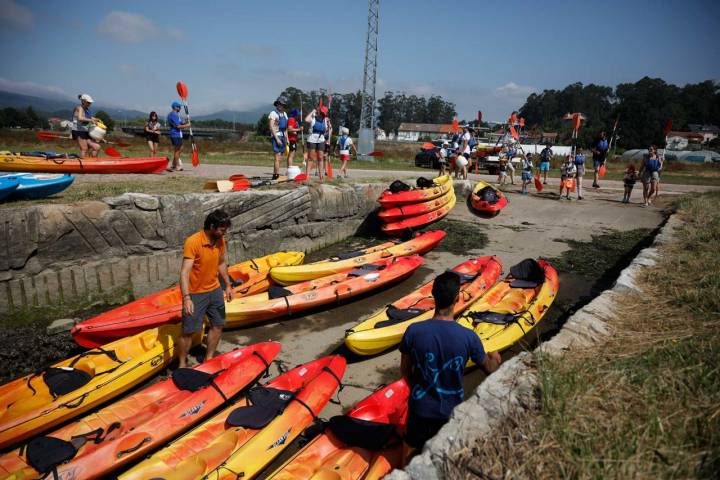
pixel 399 213
pixel 362 444
pixel 165 306
pixel 60 163
pixel 398 228
pixel 239 441
pixel 385 328
pixel 442 185
pixel 282 302
pixel 139 423
pixel 486 198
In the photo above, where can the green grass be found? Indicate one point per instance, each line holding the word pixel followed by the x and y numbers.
pixel 646 403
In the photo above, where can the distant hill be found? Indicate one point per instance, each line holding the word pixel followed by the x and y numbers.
pixel 249 116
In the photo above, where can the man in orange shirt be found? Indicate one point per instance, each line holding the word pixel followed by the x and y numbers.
pixel 203 259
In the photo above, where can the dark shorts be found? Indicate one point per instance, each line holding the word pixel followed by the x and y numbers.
pixel 211 304
pixel 320 147
pixel 176 142
pixel 278 147
pixel 153 137
pixel 77 134
pixel 293 145
pixel 327 148
pixel 597 163
pixel 421 429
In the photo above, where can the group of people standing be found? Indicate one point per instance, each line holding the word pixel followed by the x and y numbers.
pixel 285 128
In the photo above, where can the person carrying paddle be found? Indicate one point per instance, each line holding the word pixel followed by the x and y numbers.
pixel 319 127
pixel 579 171
pixel 509 152
pixel 345 145
pixel 567 176
pixel 203 260
pixel 599 153
pixel 545 156
pixel 176 125
pixel 278 122
pixel 82 118
pixel 293 129
pixel 527 167
pixel 434 354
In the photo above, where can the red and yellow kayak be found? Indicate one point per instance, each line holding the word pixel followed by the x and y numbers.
pixel 56 163
pixel 419 245
pixel 385 328
pixel 442 186
pixel 218 450
pixel 362 444
pixel 419 221
pixel 482 204
pixel 321 291
pixel 165 306
pixel 143 421
pixel 397 214
pixel 35 403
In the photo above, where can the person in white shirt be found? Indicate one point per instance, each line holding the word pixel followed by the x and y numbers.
pixel 278 122
pixel 463 158
pixel 344 145
pixel 318 122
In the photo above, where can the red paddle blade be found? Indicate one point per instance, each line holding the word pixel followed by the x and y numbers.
pixel 328 169
pixel 182 90
pixel 601 171
pixel 122 144
pixel 538 184
pixel 237 176
pixel 376 153
pixel 427 146
pixel 240 185
pixel 47 136
pixel 301 177
pixel 110 151
pixel 195 158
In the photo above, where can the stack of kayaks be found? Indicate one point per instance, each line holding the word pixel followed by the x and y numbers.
pixel 416 208
pixel 511 308
pixel 52 162
pixel 365 443
pixel 284 302
pixel 165 306
pixel 487 199
pixel 37 402
pixel 245 437
pixel 32 186
pixel 102 442
pixel 385 328
pixel 420 244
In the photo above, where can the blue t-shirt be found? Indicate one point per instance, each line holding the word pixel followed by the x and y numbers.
pixel 439 350
pixel 174 121
pixel 579 159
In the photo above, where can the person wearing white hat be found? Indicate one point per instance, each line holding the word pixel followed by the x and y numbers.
pixel 344 145
pixel 82 118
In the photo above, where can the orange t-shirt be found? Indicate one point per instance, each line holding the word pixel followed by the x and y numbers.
pixel 206 259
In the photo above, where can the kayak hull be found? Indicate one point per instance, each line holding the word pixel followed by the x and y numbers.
pixel 377 333
pixel 8 187
pixel 165 306
pixel 419 221
pixel 399 213
pixel 486 207
pixel 28 163
pixel 391 200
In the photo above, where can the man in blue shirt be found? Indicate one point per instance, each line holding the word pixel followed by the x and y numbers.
pixel 599 152
pixel 176 126
pixel 434 354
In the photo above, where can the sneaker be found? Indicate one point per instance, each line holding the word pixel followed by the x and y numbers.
pixel 275 176
pixel 544 183
pixel 580 198
pixel 595 185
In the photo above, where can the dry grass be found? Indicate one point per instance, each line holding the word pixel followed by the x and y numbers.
pixel 644 405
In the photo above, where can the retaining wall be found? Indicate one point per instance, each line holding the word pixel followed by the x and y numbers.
pixel 66 253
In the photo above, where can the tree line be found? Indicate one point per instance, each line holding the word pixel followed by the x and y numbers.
pixel 392 109
pixel 643 108
pixel 18 118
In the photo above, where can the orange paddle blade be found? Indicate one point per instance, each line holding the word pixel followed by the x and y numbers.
pixel 601 171
pixel 427 146
pixel 195 158
pixel 328 168
pixel 182 90
pixel 240 185
pixel 376 153
pixel 455 125
pixel 514 133
pixel 538 183
pixel 46 136
pixel 112 152
pixel 576 118
pixel 237 176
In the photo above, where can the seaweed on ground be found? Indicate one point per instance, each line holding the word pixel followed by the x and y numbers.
pixel 461 238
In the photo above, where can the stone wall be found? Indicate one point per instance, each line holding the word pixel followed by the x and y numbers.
pixel 67 253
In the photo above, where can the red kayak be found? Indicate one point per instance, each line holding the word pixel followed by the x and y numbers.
pixel 61 163
pixel 362 444
pixel 487 199
pixel 130 428
pixel 399 213
pixel 398 228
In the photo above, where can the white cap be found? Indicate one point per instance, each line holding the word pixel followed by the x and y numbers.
pixel 345 131
pixel 86 97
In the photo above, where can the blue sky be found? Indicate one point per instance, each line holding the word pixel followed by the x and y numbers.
pixel 482 55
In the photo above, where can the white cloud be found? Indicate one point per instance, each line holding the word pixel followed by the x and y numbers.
pixel 16 16
pixel 129 27
pixel 32 88
pixel 513 90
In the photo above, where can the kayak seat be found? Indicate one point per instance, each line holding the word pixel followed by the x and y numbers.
pixel 465 277
pixel 276 291
pixel 193 380
pixel 346 256
pixel 361 433
pixel 528 270
pixel 492 317
pixel 398 315
pixel 267 403
pixel 488 194
pixel 63 380
pixel 364 270
pixel 524 284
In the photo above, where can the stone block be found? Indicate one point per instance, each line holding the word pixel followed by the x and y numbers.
pixel 16 297
pixel 144 201
pixel 120 273
pixel 124 200
pixel 105 277
pixel 52 286
pixel 41 289
pixel 123 228
pixel 626 280
pixel 66 284
pixel 29 293
pixel 78 278
pixel 61 325
pixel 145 223
pixel 92 281
pixel 18 224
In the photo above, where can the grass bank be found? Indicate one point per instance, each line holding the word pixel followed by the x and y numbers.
pixel 646 404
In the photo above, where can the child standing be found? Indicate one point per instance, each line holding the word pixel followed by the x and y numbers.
pixel 629 181
pixel 567 175
pixel 502 171
pixel 527 167
pixel 344 145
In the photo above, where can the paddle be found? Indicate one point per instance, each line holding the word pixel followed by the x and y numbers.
pixel 538 183
pixel 183 92
pixel 110 151
pixel 49 136
pixel 376 153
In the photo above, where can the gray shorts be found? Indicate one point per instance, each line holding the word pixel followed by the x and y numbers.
pixel 650 177
pixel 580 170
pixel 210 303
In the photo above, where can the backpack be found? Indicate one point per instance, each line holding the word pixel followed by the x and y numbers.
pixel 399 186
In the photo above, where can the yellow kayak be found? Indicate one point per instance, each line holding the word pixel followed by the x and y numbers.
pixel 514 306
pixel 441 186
pixel 421 244
pixel 37 402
